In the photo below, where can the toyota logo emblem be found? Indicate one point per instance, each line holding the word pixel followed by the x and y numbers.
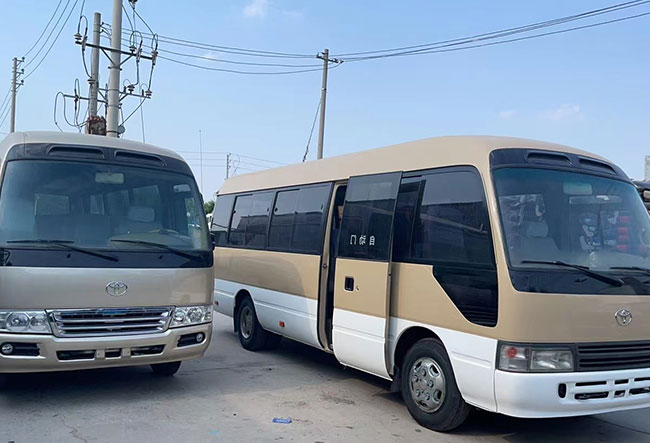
pixel 623 317
pixel 116 288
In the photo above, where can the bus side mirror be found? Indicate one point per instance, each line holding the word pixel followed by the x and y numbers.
pixel 213 240
pixel 646 195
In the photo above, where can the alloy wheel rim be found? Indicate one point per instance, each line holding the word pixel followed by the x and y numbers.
pixel 427 384
pixel 246 322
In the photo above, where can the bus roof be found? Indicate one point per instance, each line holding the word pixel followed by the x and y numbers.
pixel 411 156
pixel 68 138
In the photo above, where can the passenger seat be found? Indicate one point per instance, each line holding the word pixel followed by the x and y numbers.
pixel 139 219
pixel 536 244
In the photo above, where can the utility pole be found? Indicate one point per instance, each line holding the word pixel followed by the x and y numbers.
pixel 114 73
pixel 14 89
pixel 111 96
pixel 325 56
pixel 94 67
pixel 227 165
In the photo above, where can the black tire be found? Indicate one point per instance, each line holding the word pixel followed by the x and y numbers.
pixel 272 340
pixel 440 407
pixel 251 334
pixel 166 369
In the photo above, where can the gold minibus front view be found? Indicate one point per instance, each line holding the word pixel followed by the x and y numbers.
pixel 507 274
pixel 105 256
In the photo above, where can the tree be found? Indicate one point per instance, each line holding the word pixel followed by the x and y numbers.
pixel 208 206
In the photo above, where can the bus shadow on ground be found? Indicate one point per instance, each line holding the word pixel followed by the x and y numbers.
pixel 107 384
pixel 480 424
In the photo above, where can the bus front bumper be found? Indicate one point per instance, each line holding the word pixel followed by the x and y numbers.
pixel 64 354
pixel 571 394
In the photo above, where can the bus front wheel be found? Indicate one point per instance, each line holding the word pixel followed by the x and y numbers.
pixel 429 388
pixel 166 369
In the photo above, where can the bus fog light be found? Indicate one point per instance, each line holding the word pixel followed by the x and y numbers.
pixel 7 349
pixel 191 315
pixel 551 360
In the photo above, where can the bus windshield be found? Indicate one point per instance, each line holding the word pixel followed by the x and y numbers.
pixel 579 219
pixel 99 206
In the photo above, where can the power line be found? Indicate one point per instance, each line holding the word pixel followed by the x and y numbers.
pixel 44 29
pixel 311 133
pixel 227 49
pixel 5 102
pixel 274 162
pixel 6 112
pixel 234 71
pixel 54 41
pixel 462 43
pixel 529 37
pixel 505 32
pixel 49 35
pixel 236 62
pixel 261 159
pixel 382 53
pixel 255 164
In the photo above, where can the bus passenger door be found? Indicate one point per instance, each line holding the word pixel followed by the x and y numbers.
pixel 362 275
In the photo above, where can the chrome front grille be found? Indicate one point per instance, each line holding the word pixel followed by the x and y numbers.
pixel 109 321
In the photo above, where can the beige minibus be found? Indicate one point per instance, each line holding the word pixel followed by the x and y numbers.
pixel 105 255
pixel 506 274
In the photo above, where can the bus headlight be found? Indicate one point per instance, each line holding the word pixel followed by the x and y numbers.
pixel 191 315
pixel 28 322
pixel 516 358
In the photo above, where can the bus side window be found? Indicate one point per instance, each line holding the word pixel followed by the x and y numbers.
pixel 258 220
pixel 221 218
pixel 442 219
pixel 243 205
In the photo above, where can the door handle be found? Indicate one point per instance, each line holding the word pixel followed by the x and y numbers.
pixel 349 284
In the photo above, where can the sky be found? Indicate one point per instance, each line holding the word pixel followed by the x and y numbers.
pixel 588 89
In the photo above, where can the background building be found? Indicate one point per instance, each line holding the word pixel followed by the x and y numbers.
pixel 647 168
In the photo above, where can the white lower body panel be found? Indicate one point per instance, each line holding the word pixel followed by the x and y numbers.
pixel 472 358
pixel 536 395
pixel 358 341
pixel 298 314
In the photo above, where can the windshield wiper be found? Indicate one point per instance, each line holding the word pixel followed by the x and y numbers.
pixel 67 244
pixel 615 281
pixel 632 268
pixel 159 245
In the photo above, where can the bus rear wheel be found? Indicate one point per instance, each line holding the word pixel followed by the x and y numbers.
pixel 429 388
pixel 251 334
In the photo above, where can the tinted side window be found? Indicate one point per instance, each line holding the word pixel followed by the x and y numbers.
pixel 221 217
pixel 366 228
pixel 240 215
pixel 407 201
pixel 284 213
pixel 452 224
pixel 308 221
pixel 258 219
pixel 442 219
